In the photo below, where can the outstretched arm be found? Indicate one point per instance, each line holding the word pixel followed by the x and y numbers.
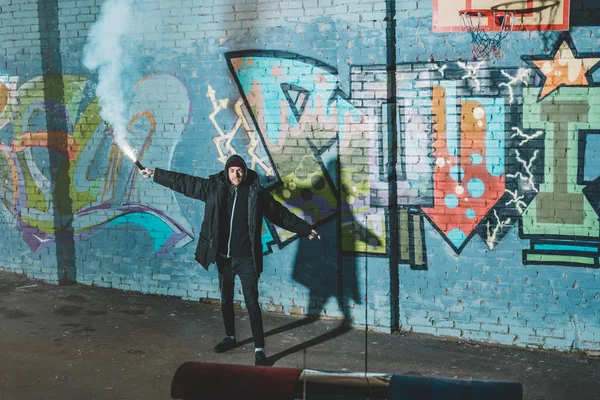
pixel 282 217
pixel 191 186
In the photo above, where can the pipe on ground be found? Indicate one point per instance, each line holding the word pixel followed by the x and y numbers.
pixel 208 381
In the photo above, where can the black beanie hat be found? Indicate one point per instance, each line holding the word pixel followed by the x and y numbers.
pixel 236 163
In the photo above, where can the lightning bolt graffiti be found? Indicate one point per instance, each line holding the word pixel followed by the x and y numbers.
pixel 241 121
pixel 521 76
pixel 519 133
pixel 528 178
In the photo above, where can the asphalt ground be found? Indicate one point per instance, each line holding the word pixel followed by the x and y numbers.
pixel 81 342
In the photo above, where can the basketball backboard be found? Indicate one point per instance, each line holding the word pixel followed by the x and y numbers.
pixel 536 15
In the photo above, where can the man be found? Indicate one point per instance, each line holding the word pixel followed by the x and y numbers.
pixel 231 236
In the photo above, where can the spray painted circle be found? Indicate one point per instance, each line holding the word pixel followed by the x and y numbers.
pixel 471 213
pixel 317 182
pixel 547 67
pixel 478 112
pixel 459 189
pixel 476 187
pixel 457 237
pixel 306 194
pixel 451 201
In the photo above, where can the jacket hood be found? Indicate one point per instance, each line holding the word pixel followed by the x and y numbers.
pixel 236 159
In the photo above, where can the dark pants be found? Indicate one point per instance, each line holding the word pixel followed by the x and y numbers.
pixel 244 268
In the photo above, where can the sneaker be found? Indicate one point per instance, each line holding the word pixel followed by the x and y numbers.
pixel 226 344
pixel 260 359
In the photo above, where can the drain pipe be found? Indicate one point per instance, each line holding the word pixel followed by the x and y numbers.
pixel 392 129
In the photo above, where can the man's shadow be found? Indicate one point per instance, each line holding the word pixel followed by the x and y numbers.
pixel 321 267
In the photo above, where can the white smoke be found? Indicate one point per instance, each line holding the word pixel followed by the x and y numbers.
pixel 105 53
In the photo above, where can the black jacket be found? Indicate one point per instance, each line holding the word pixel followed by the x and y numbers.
pixel 213 191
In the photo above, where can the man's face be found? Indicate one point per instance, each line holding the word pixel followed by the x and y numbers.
pixel 236 175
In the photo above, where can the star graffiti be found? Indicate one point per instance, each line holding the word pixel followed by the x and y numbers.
pixel 566 67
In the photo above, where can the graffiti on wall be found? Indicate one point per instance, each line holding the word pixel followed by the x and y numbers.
pixel 513 146
pixel 562 222
pixel 307 124
pixel 481 149
pixel 105 188
pixel 458 131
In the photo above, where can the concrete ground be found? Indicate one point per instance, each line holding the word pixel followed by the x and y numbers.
pixel 80 342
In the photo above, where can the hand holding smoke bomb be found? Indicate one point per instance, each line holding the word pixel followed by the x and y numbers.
pixel 148 173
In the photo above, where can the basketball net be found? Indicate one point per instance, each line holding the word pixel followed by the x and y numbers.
pixel 487 37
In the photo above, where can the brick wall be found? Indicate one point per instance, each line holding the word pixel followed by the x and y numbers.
pixel 497 183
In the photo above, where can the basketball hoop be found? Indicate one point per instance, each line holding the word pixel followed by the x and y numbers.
pixel 487 28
